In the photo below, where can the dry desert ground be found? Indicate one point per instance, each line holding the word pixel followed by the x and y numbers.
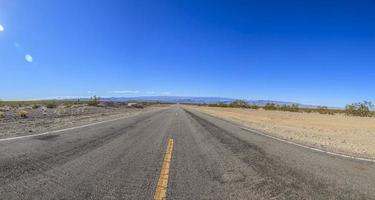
pixel 338 133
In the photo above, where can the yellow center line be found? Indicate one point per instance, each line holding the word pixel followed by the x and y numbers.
pixel 161 188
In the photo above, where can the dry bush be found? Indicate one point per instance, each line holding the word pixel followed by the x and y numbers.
pixel 2 115
pixel 362 109
pixel 239 104
pixel 35 106
pixel 270 106
pixel 23 114
pixel 94 101
pixel 218 105
pixel 51 105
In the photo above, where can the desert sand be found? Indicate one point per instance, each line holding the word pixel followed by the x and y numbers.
pixel 338 133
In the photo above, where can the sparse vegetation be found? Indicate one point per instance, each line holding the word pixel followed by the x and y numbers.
pixel 362 109
pixel 138 105
pixel 51 104
pixel 35 106
pixel 2 115
pixel 234 104
pixel 270 106
pixel 290 108
pixel 325 110
pixel 94 101
pixel 109 104
pixel 23 114
pixel 218 105
pixel 239 104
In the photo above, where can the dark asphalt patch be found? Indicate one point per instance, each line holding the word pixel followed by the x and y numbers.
pixel 46 137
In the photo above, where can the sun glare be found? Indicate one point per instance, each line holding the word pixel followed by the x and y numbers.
pixel 28 58
pixel 1 28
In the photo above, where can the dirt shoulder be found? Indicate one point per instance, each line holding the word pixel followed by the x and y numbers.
pixel 13 123
pixel 337 133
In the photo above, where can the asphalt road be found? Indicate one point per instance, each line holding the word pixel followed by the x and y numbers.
pixel 211 159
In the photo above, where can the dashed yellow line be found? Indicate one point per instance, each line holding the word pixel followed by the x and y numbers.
pixel 161 188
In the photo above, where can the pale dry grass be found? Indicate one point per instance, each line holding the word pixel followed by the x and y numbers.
pixel 339 133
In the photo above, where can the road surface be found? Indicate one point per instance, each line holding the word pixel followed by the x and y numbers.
pixel 210 158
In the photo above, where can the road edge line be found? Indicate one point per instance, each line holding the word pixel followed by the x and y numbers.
pixel 308 147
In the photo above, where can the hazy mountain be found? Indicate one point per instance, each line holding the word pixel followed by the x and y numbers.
pixel 172 99
pixel 193 100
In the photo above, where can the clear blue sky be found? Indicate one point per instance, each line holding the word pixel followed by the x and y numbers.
pixel 313 52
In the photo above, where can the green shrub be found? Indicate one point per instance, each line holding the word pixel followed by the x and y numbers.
pixel 94 101
pixel 324 110
pixel 254 106
pixel 239 104
pixel 35 106
pixel 270 106
pixel 290 108
pixel 362 109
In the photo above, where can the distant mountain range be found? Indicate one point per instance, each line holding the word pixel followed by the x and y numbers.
pixel 193 100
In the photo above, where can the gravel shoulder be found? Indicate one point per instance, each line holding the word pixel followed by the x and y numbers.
pixel 43 119
pixel 338 133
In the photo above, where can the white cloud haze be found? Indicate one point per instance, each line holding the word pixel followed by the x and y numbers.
pixel 125 92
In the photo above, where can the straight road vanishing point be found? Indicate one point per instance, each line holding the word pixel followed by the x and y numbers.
pixel 214 159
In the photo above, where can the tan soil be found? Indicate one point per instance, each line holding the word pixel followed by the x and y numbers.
pixel 338 133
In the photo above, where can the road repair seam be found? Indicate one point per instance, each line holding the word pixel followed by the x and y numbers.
pixel 307 147
pixel 162 186
pixel 65 129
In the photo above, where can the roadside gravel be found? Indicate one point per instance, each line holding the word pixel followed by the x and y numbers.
pixel 42 119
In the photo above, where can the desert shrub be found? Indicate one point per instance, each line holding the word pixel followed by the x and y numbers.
pixel 290 108
pixel 218 105
pixel 51 104
pixel 109 104
pixel 23 114
pixel 94 101
pixel 362 109
pixel 35 106
pixel 239 104
pixel 324 110
pixel 270 106
pixel 2 115
pixel 254 106
pixel 308 110
pixel 68 104
pixel 13 105
pixel 137 105
pixel 123 103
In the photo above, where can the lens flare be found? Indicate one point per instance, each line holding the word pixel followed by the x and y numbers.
pixel 28 58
